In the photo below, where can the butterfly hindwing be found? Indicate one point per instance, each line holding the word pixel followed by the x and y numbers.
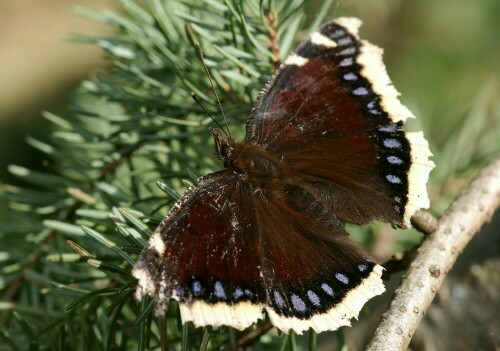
pixel 314 276
pixel 205 254
pixel 334 116
pixel 226 255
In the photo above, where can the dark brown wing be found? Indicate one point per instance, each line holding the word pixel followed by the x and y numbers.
pixel 333 115
pixel 314 276
pixel 226 254
pixel 206 255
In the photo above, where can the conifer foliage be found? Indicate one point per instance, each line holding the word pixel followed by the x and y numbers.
pixel 132 141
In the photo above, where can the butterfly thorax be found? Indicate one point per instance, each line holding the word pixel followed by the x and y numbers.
pixel 250 161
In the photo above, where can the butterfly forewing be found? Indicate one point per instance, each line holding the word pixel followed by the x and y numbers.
pixel 333 115
pixel 206 255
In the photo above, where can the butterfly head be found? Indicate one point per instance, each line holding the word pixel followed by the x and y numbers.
pixel 224 146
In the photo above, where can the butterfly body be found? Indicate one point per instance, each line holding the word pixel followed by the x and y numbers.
pixel 256 166
pixel 270 179
pixel 325 146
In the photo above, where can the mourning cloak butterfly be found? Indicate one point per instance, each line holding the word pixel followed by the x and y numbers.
pixel 325 146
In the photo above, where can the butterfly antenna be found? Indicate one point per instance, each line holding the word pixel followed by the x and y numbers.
pixel 200 54
pixel 195 98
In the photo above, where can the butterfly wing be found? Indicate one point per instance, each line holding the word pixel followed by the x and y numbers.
pixel 205 254
pixel 314 276
pixel 333 114
pixel 226 254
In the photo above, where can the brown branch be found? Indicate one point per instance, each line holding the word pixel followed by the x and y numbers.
pixel 399 262
pixel 434 259
pixel 425 222
pixel 274 45
pixel 251 337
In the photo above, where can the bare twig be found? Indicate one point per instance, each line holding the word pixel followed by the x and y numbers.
pixel 251 337
pixel 424 222
pixel 434 259
pixel 399 262
pixel 274 45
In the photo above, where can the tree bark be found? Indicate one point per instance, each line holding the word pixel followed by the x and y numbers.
pixel 435 258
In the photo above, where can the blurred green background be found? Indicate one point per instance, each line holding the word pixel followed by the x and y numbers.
pixel 443 56
pixel 39 67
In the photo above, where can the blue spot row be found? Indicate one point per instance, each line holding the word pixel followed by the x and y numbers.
pixel 360 91
pixel 313 298
pixel 362 267
pixel 393 179
pixel 239 293
pixel 392 144
pixel 298 304
pixel 342 278
pixel 348 61
pixel 344 41
pixel 328 289
pixel 394 160
pixel 219 290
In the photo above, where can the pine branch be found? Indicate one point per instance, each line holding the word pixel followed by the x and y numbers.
pixel 136 142
pixel 435 258
pixel 250 337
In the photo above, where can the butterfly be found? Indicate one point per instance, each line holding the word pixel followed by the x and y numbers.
pixel 325 146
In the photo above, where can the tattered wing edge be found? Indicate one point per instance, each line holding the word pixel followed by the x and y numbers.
pixel 374 70
pixel 340 314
